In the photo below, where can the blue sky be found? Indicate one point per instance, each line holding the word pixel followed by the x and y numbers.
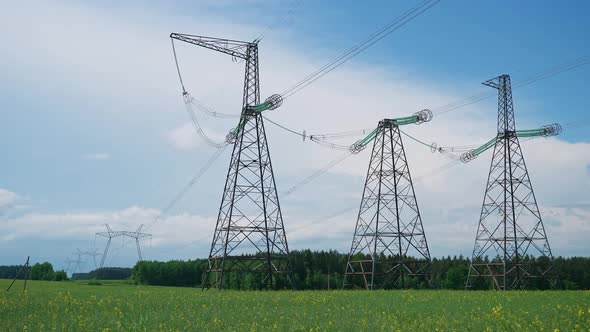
pixel 94 130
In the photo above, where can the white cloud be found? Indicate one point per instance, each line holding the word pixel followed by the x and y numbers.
pixel 122 61
pixel 8 200
pixel 185 137
pixel 96 156
pixel 83 224
pixel 184 234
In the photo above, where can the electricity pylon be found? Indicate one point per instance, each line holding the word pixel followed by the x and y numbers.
pixel 90 252
pixel 110 234
pixel 389 248
pixel 510 230
pixel 249 234
pixel 79 263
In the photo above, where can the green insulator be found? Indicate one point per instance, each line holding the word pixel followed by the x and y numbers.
pixel 401 121
pixel 486 146
pixel 271 103
pixel 359 145
pixel 231 137
pixel 418 118
pixel 548 130
pixel 472 154
pixel 530 132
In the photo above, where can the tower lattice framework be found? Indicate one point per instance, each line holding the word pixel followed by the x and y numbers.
pixel 249 236
pixel 389 248
pixel 510 230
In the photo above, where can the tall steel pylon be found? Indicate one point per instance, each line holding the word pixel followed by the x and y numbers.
pixel 249 235
pixel 110 234
pixel 510 229
pixel 389 248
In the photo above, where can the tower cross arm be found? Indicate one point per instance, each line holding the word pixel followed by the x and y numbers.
pixel 497 82
pixel 545 131
pixel 136 235
pixel 110 234
pixel 238 49
pixel 473 153
pixel 418 118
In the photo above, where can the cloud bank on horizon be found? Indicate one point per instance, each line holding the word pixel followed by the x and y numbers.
pixel 109 85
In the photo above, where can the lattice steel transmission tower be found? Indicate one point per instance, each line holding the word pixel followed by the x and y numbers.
pixel 249 235
pixel 510 236
pixel 389 248
pixel 110 234
pixel 78 262
pixel 90 252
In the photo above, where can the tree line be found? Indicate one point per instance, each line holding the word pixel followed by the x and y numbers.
pixel 314 270
pixel 39 271
pixel 325 270
pixel 105 273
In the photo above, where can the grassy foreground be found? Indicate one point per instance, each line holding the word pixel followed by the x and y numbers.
pixel 116 306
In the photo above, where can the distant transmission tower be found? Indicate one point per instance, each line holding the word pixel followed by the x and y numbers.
pixel 90 252
pixel 78 262
pixel 510 230
pixel 110 234
pixel 389 248
pixel 249 235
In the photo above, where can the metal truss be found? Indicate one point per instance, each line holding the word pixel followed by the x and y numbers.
pixel 510 230
pixel 91 253
pixel 389 248
pixel 110 234
pixel 249 234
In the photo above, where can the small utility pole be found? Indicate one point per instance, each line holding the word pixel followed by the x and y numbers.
pixel 328 276
pixel 26 268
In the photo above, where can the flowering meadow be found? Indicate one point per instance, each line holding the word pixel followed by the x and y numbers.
pixel 117 306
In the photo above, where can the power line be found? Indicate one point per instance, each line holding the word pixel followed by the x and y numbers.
pixel 198 128
pixel 313 138
pixel 431 146
pixel 187 187
pixel 581 61
pixel 280 18
pixel 330 145
pixel 383 32
pixel 316 174
pixel 302 134
pixel 177 66
pixel 205 109
pixel 322 140
pixel 436 171
pixel 297 186
pixel 444 150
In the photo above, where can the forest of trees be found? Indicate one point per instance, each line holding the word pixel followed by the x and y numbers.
pixel 325 269
pixel 105 273
pixel 311 270
pixel 39 271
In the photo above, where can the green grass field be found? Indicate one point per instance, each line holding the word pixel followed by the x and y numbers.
pixel 117 306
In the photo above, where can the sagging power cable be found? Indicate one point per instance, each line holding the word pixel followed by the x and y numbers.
pixel 289 11
pixel 383 32
pixel 316 174
pixel 197 126
pixel 323 220
pixel 187 187
pixel 570 65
